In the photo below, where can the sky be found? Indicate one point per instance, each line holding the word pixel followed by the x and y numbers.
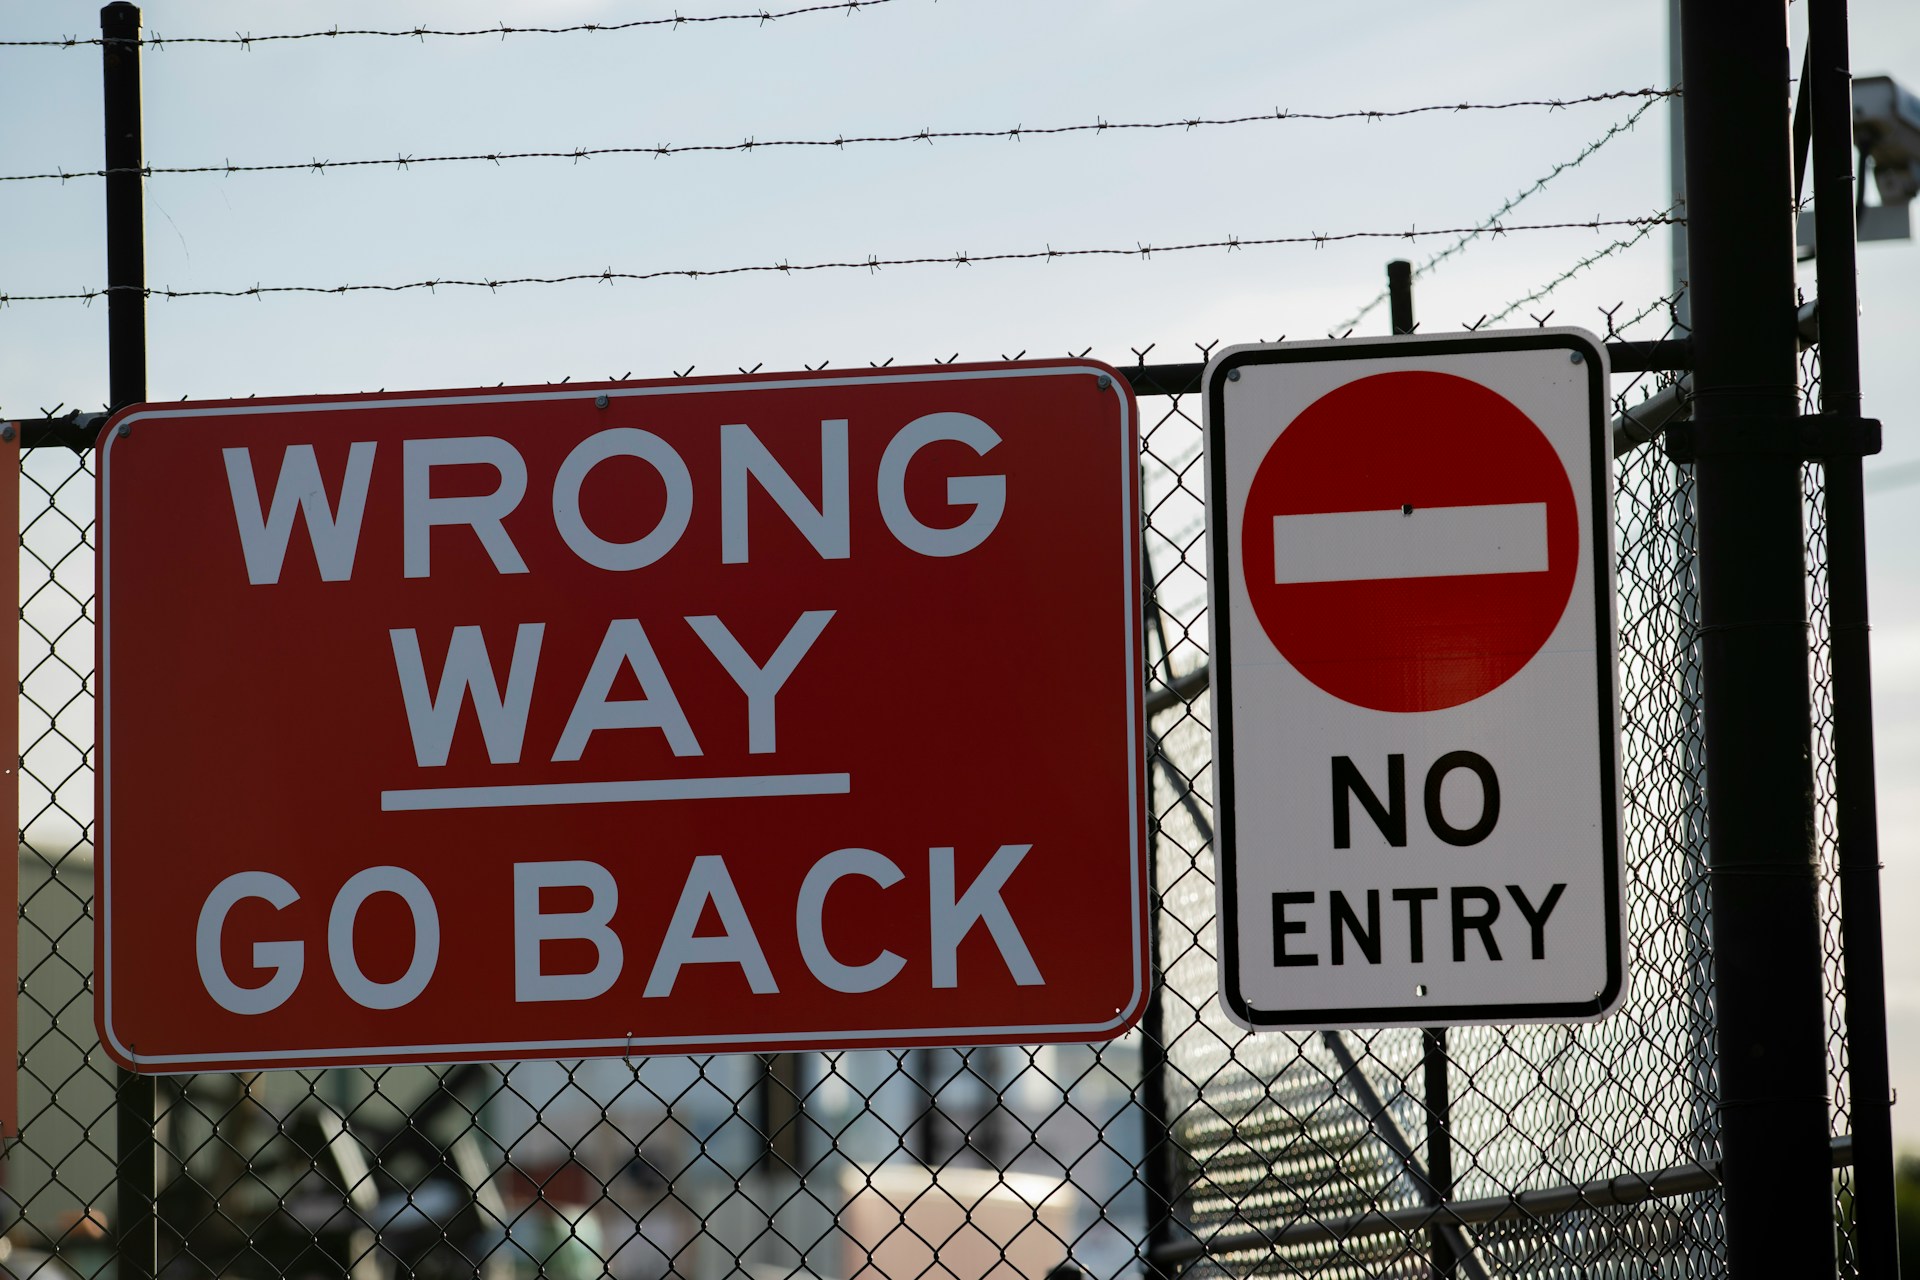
pixel 892 68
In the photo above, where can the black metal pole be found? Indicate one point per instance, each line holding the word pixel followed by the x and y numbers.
pixel 1157 1153
pixel 137 1225
pixel 126 206
pixel 781 1114
pixel 1869 1091
pixel 1400 294
pixel 1439 1105
pixel 926 1138
pixel 1436 1090
pixel 1758 726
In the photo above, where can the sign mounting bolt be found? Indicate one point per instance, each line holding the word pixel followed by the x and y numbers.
pixel 600 401
pixel 124 431
pixel 1104 382
pixel 1574 357
pixel 6 432
pixel 1233 375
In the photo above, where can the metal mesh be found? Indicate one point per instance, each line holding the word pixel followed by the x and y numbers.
pixel 1282 1136
pixel 1187 1146
pixel 1826 835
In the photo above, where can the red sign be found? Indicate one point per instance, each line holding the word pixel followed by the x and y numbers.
pixel 1418 564
pixel 761 713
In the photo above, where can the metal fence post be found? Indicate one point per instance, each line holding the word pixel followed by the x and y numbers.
pixel 1869 1092
pixel 136 1225
pixel 1758 723
pixel 1157 1150
pixel 126 212
pixel 781 1113
pixel 1400 295
pixel 1436 1089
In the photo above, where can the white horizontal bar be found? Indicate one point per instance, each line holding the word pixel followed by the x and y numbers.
pixel 530 794
pixel 1421 542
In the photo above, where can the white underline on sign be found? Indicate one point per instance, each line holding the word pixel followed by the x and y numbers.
pixel 550 793
pixel 1410 542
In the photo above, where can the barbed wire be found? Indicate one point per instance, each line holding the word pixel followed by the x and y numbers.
pixel 870 264
pixel 1516 200
pixel 1016 133
pixel 245 40
pixel 1667 302
pixel 1621 245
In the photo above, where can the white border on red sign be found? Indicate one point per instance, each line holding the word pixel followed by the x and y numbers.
pixel 380 1055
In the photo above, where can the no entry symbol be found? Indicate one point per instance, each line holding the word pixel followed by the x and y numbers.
pixel 1410 541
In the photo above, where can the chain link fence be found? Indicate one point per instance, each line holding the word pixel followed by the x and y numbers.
pixel 1826 835
pixel 1187 1147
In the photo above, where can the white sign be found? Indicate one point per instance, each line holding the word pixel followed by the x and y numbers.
pixel 1416 746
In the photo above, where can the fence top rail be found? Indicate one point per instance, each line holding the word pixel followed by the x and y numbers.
pixel 79 430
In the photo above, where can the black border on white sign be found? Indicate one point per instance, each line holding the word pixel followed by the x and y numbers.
pixel 1219 536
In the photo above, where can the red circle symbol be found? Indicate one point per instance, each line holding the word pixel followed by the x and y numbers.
pixel 1410 541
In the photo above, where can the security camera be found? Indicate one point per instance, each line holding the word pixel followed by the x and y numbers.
pixel 1886 126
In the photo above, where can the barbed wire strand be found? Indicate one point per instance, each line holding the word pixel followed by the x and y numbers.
pixel 870 264
pixel 840 142
pixel 245 40
pixel 1515 201
pixel 1641 232
pixel 1668 302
